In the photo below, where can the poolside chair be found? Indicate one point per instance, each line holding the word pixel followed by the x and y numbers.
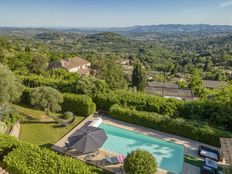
pixel 90 156
pixel 209 166
pixel 208 153
pixel 119 159
pixel 66 146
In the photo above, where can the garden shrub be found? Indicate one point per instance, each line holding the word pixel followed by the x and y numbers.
pixel 47 98
pixel 186 128
pixel 67 115
pixel 3 127
pixel 30 159
pixel 138 101
pixel 78 104
pixel 140 162
pixel 25 97
pixel 33 81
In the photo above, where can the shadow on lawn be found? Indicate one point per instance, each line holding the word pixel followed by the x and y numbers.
pixel 48 145
pixel 39 122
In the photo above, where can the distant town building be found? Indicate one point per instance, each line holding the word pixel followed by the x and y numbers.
pixel 213 84
pixel 210 84
pixel 126 65
pixel 169 90
pixel 75 64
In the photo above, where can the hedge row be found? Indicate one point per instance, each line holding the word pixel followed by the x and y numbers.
pixel 138 101
pixel 189 129
pixel 30 159
pixel 78 104
pixel 36 81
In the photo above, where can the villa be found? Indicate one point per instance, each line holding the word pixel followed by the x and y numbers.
pixel 75 64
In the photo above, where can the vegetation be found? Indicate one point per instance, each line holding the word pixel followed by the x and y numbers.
pixel 10 88
pixel 112 73
pixel 78 104
pixel 193 161
pixel 22 157
pixel 227 169
pixel 139 77
pixel 137 100
pixel 47 98
pixel 3 127
pixel 64 82
pixel 214 109
pixel 196 84
pixel 186 128
pixel 140 162
pixel 38 128
pixel 43 133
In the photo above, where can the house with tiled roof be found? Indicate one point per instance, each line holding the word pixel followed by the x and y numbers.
pixel 75 64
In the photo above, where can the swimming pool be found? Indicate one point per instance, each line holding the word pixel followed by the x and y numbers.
pixel 169 156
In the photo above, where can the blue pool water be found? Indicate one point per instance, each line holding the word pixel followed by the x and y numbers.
pixel 169 156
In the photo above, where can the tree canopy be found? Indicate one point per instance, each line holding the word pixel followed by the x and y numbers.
pixel 10 88
pixel 139 77
pixel 47 98
pixel 140 162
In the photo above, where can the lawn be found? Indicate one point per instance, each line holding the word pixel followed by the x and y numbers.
pixel 39 129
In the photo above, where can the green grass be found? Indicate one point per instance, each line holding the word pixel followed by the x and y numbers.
pixel 193 161
pixel 40 129
pixel 45 133
pixel 31 113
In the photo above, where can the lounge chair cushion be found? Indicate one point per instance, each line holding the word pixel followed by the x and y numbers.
pixel 112 160
pixel 209 154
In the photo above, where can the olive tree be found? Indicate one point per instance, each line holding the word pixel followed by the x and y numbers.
pixel 140 162
pixel 10 88
pixel 47 98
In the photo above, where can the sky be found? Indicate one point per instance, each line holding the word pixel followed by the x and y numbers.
pixel 113 13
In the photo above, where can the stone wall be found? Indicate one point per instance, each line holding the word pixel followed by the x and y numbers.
pixel 15 130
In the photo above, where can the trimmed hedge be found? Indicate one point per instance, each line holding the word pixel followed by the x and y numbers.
pixel 186 128
pixel 30 159
pixel 78 104
pixel 138 101
pixel 33 81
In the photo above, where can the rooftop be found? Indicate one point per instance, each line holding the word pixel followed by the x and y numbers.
pixel 214 83
pixel 73 63
pixel 162 84
pixel 171 92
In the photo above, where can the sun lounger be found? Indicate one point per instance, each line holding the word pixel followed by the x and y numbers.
pixel 209 166
pixel 208 153
pixel 119 159
pixel 96 122
pixel 90 156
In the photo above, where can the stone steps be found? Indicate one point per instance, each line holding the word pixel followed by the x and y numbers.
pixel 2 171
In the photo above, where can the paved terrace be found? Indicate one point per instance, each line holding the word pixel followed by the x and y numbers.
pixel 190 145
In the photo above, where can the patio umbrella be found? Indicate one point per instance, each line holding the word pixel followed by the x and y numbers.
pixel 88 139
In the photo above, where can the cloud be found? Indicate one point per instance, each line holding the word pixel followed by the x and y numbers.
pixel 226 4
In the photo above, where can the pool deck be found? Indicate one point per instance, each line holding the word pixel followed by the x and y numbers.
pixel 191 146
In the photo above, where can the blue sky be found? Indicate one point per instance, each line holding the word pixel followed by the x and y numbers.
pixel 113 13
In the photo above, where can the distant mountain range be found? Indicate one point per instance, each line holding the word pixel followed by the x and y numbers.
pixel 166 29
